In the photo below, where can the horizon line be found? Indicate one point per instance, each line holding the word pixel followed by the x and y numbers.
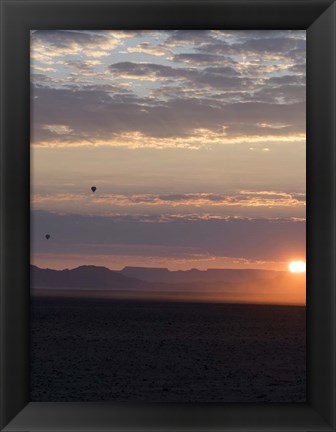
pixel 160 268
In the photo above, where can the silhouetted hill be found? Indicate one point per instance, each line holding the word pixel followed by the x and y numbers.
pixel 211 285
pixel 83 277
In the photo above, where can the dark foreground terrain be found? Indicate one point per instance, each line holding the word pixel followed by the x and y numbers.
pixel 152 351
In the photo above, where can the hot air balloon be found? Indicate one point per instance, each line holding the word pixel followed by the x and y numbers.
pixel 47 236
pixel 93 188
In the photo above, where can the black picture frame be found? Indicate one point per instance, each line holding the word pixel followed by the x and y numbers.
pixel 18 17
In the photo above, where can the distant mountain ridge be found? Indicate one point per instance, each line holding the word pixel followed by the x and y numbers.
pixel 163 275
pixel 83 277
pixel 209 285
pixel 98 277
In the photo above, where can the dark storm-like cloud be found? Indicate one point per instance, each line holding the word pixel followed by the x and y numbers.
pixel 96 113
pixel 161 71
pixel 151 69
pixel 212 77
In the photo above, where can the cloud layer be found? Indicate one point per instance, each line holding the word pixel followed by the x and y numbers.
pixel 195 141
pixel 169 89
pixel 181 239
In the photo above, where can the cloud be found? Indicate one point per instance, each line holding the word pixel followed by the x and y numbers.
pixel 43 80
pixel 203 202
pixel 281 94
pixel 257 239
pixel 227 90
pixel 274 45
pixel 117 261
pixel 81 65
pixel 200 59
pixel 188 37
pixel 99 117
pixel 191 113
pixel 127 34
pixel 48 45
pixel 149 71
pixel 43 69
pixel 221 77
pixel 147 48
pixel 268 47
pixel 258 34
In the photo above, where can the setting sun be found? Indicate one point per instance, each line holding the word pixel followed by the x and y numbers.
pixel 297 266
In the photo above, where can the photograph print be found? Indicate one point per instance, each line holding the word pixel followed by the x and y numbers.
pixel 168 216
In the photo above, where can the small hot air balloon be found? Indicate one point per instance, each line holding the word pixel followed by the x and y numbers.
pixel 47 236
pixel 93 188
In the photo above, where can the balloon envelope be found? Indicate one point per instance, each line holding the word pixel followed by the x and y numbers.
pixel 93 188
pixel 47 236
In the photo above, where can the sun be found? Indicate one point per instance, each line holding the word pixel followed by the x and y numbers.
pixel 297 266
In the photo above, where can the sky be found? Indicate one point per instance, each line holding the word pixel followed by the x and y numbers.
pixel 195 140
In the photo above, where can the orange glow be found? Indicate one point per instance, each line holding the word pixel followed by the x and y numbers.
pixel 297 266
